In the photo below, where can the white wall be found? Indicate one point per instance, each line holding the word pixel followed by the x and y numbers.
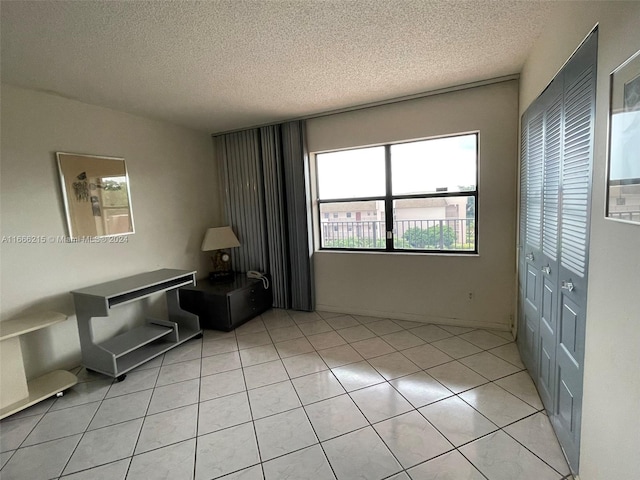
pixel 432 287
pixel 611 406
pixel 174 195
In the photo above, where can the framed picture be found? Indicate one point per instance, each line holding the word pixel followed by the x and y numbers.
pixel 96 195
pixel 623 176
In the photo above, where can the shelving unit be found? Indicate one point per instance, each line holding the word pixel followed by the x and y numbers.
pixel 16 393
pixel 119 354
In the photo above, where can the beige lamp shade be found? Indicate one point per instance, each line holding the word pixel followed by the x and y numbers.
pixel 219 238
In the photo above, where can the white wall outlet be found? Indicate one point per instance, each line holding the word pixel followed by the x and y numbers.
pixel 470 295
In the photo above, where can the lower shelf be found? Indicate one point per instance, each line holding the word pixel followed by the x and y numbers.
pixel 131 341
pixel 42 388
pixel 143 354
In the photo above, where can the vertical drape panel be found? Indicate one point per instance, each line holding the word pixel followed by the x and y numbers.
pixel 265 177
pixel 242 177
pixel 275 212
pixel 296 175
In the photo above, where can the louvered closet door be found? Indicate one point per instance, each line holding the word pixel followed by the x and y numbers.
pixel 522 235
pixel 577 139
pixel 546 347
pixel 555 195
pixel 532 246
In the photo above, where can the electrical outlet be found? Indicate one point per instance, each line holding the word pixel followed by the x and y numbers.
pixel 470 296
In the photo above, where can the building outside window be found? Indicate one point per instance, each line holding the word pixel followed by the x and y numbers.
pixel 417 196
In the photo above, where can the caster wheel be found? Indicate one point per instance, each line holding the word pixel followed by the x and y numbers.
pixel 59 394
pixel 120 378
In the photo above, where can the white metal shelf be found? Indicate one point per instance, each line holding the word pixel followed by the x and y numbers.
pixel 135 338
pixel 119 354
pixel 16 392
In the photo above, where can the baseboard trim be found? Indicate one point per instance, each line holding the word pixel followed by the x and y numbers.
pixel 413 317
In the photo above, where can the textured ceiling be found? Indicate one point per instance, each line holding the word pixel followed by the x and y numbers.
pixel 222 65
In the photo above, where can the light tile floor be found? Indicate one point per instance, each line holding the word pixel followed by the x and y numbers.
pixel 292 395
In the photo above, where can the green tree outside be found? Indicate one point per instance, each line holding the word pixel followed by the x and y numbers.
pixel 419 238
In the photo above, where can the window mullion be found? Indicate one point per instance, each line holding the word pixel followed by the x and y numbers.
pixel 388 203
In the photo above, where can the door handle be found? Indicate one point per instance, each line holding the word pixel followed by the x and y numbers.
pixel 567 286
pixel 529 256
pixel 546 270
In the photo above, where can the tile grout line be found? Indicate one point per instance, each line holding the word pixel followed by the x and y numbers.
pixel 374 429
pixel 302 405
pixel 195 447
pixel 527 448
pixel 368 361
pixel 290 379
pixel 324 452
pixel 371 425
pixel 473 464
pixel 356 405
pixel 144 418
pixel 85 430
pixel 125 421
pixel 253 422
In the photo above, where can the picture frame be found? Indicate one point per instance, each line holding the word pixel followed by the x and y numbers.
pixel 96 195
pixel 623 166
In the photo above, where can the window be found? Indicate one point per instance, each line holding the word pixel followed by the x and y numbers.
pixel 113 198
pixel 419 196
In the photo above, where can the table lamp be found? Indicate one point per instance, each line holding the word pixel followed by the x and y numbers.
pixel 218 239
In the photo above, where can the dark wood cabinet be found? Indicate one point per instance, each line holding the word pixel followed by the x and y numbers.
pixel 225 306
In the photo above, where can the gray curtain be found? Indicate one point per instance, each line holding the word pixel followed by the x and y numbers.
pixel 296 174
pixel 265 178
pixel 244 206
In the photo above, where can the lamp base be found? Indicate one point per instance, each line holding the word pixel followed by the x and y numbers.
pixel 221 277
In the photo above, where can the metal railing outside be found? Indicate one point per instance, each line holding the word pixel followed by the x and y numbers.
pixel 433 234
pixel 631 215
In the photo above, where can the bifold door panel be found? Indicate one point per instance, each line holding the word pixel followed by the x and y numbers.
pixel 555 197
pixel 547 356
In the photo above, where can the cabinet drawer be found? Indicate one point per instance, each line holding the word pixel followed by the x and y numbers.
pixel 241 305
pixel 249 302
pixel 261 299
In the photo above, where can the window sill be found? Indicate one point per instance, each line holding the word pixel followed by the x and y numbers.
pixel 401 253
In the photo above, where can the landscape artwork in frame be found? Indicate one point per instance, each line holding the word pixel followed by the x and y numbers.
pixel 96 195
pixel 623 198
